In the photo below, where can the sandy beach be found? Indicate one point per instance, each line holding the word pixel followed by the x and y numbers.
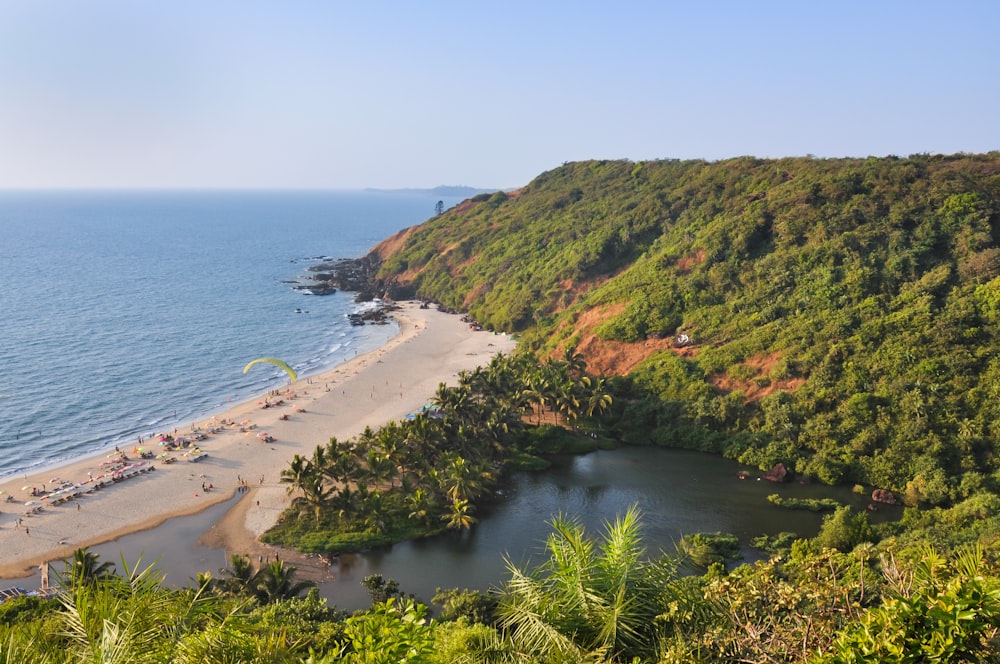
pixel 386 384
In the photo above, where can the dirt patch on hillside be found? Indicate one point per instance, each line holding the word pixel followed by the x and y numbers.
pixel 391 245
pixel 463 207
pixel 476 293
pixel 611 358
pixel 759 385
pixel 616 358
pixel 684 264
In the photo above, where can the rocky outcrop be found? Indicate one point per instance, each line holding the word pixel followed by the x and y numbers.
pixel 357 275
pixel 778 474
pixel 885 497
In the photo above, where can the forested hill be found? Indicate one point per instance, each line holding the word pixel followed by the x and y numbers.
pixel 841 314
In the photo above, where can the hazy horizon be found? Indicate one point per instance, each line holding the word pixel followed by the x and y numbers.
pixel 113 94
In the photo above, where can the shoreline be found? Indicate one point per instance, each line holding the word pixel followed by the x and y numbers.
pixel 385 384
pixel 223 405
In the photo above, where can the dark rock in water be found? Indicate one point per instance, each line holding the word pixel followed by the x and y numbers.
pixel 377 316
pixel 318 288
pixel 350 274
pixel 885 497
pixel 778 474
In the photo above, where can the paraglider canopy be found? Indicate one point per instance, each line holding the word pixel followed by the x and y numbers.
pixel 276 362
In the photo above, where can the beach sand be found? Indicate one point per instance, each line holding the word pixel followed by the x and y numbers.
pixel 370 390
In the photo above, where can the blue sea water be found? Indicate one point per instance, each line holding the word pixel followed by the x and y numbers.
pixel 126 313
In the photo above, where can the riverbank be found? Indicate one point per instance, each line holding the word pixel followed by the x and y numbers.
pixel 245 448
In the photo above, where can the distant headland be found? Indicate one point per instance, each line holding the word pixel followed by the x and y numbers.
pixel 458 191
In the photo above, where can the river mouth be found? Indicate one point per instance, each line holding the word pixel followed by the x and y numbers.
pixel 678 492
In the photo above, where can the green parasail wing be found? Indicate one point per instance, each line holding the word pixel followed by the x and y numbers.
pixel 276 362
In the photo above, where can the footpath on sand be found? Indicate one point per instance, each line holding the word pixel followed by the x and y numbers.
pixel 245 448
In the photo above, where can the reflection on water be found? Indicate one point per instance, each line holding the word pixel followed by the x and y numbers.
pixel 677 491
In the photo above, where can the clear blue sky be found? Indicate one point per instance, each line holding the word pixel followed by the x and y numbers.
pixel 344 95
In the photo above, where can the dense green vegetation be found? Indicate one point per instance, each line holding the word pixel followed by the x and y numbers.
pixel 842 320
pixel 842 313
pixel 426 474
pixel 811 504
pixel 591 599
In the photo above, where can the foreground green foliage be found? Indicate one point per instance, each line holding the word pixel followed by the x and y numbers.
pixel 939 611
pixel 590 599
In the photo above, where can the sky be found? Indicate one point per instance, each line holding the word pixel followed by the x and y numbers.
pixel 332 94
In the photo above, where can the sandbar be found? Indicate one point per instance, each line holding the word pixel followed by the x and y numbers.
pixel 431 348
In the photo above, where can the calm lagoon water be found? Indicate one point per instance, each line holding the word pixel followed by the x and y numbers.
pixel 678 492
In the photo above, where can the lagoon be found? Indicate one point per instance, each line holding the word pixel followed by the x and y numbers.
pixel 679 492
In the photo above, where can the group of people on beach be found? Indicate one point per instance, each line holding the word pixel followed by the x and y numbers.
pixel 243 485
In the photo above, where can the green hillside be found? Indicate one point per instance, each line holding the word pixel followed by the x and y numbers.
pixel 842 313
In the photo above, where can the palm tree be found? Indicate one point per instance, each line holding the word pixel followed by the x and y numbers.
pixel 237 579
pixel 345 503
pixel 276 581
pixel 589 599
pixel 319 459
pixel 567 399
pixel 341 463
pixel 574 362
pixel 297 473
pixel 423 440
pixel 598 400
pixel 453 402
pixel 459 479
pixel 460 515
pixel 375 512
pixel 84 568
pixel 130 618
pixel 315 495
pixel 420 504
pixel 536 393
pixel 381 468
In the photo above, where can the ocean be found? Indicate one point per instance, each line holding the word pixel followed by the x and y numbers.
pixel 127 313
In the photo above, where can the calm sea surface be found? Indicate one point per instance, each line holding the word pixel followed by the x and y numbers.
pixel 124 313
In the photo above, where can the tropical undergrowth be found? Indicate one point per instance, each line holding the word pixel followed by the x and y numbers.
pixel 588 598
